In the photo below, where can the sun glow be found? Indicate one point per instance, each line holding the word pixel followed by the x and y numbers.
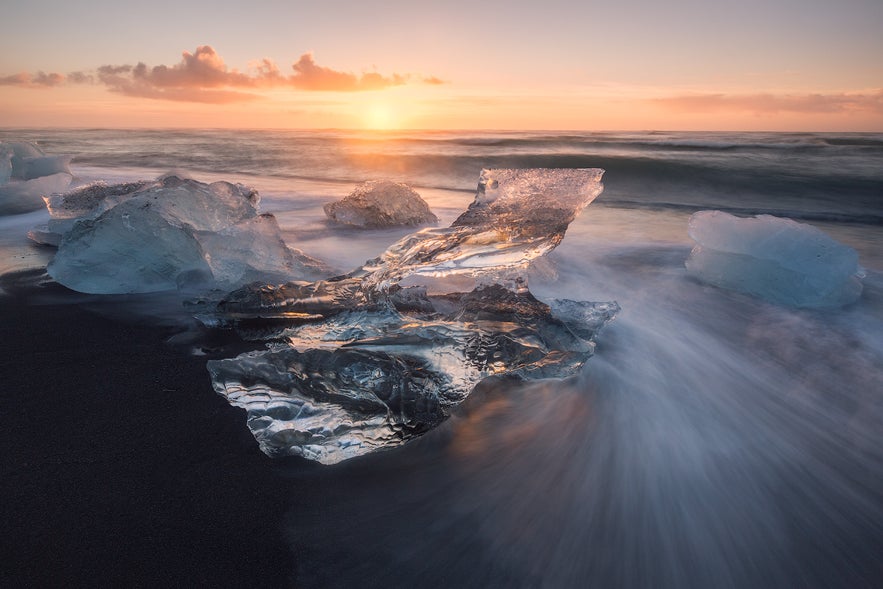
pixel 381 116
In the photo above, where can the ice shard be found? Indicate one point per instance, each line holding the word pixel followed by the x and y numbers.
pixel 361 362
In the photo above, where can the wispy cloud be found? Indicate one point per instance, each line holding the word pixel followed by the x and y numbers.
pixel 869 101
pixel 38 80
pixel 202 76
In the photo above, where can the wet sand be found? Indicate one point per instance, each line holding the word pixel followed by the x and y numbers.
pixel 123 468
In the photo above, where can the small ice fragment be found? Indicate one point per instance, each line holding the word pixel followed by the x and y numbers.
pixel 23 149
pixel 27 175
pixel 37 167
pixel 22 196
pixel 381 203
pixel 5 163
pixel 776 259
pixel 43 235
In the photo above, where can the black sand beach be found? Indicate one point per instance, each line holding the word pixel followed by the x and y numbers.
pixel 714 440
pixel 123 468
pixel 121 465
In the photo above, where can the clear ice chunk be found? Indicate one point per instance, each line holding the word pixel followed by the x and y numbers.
pixel 776 259
pixel 517 216
pixel 166 234
pixel 381 203
pixel 253 250
pixel 359 363
pixel 364 380
pixel 27 175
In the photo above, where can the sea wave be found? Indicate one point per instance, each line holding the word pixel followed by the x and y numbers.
pixel 811 174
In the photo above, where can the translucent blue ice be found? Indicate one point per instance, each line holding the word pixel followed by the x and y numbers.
pixel 167 234
pixel 776 259
pixel 27 175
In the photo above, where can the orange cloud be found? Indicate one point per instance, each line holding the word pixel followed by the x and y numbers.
pixel 197 78
pixel 309 76
pixel 773 103
pixel 38 80
pixel 202 76
pixel 202 69
pixel 134 81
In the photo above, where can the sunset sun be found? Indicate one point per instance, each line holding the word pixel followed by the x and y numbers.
pixel 381 116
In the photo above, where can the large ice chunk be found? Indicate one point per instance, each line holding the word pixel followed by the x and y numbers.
pixel 777 259
pixel 368 379
pixel 166 234
pixel 27 174
pixel 360 362
pixel 517 216
pixel 381 203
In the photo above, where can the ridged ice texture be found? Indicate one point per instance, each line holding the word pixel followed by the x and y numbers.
pixel 776 259
pixel 360 363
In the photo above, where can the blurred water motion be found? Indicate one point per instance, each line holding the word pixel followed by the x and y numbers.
pixel 712 441
pixel 678 458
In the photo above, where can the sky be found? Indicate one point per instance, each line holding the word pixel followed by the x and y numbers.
pixel 770 65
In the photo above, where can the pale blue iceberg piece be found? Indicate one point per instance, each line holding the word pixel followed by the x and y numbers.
pixel 27 176
pixel 776 259
pixel 167 234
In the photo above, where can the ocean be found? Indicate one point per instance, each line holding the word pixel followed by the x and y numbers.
pixel 713 440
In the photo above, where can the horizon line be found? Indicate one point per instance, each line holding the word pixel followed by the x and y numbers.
pixel 420 130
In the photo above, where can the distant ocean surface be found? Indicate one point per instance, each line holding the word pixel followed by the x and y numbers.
pixel 805 175
pixel 714 440
pixel 818 177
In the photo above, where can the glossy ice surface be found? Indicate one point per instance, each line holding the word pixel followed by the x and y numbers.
pixel 359 362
